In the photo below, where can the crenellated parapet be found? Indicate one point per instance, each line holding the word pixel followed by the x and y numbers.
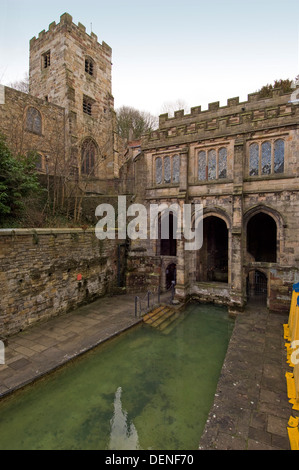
pixel 234 118
pixel 66 21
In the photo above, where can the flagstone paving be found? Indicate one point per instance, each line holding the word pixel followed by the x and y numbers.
pixel 251 408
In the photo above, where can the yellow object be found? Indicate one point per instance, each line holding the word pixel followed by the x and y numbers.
pixel 292 314
pixel 286 331
pixel 291 386
pixel 293 422
pixel 293 433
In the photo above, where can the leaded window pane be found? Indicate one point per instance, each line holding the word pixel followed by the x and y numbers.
pixel 266 158
pixel 222 164
pixel 253 160
pixel 176 169
pixel 279 156
pixel 158 170
pixel 202 165
pixel 212 165
pixel 167 171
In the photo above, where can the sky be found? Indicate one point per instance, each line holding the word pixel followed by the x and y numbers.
pixel 195 51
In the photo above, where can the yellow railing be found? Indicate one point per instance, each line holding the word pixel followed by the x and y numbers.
pixel 291 335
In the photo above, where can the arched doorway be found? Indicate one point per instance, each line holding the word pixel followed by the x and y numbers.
pixel 262 238
pixel 212 260
pixel 170 275
pixel 257 287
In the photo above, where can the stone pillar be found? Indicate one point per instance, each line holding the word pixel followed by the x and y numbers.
pixel 184 170
pixel 236 251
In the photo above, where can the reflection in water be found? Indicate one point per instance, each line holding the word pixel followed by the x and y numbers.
pixel 122 436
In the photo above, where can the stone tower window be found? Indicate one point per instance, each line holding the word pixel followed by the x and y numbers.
pixel 88 157
pixel 46 60
pixel 87 105
pixel 33 121
pixel 89 66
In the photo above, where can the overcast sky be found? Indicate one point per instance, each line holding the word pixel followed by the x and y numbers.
pixel 164 50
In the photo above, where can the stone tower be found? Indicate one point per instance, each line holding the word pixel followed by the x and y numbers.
pixel 70 68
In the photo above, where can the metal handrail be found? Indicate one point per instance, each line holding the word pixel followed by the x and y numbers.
pixel 147 297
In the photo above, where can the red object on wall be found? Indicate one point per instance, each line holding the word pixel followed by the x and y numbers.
pixel 79 277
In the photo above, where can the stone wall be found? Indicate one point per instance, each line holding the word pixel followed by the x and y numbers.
pixel 45 273
pixel 49 141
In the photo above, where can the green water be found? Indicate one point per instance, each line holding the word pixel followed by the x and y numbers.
pixel 143 390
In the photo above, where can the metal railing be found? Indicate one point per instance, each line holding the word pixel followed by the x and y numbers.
pixel 147 302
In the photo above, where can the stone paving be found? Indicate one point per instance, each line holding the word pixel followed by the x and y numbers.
pixel 48 345
pixel 250 410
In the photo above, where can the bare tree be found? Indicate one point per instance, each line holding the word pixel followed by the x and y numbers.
pixel 21 85
pixel 171 106
pixel 132 124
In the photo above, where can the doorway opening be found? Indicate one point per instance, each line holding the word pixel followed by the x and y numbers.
pixel 212 261
pixel 170 275
pixel 257 287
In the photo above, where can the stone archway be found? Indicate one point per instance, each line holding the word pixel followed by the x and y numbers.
pixel 212 258
pixel 262 238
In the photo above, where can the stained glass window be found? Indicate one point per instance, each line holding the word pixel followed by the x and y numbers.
pixel 222 163
pixel 253 160
pixel 202 165
pixel 176 169
pixel 212 164
pixel 266 158
pixel 279 156
pixel 34 121
pixel 167 170
pixel 158 170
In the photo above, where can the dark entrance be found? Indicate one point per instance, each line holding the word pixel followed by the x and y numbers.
pixel 168 245
pixel 170 275
pixel 257 287
pixel 262 238
pixel 212 261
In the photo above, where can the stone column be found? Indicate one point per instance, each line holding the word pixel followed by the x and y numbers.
pixel 236 251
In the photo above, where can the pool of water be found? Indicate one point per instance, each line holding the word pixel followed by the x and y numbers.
pixel 142 390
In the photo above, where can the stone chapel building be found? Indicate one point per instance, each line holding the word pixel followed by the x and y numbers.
pixel 241 161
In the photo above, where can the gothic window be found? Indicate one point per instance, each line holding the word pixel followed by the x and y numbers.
pixel 212 164
pixel 46 60
pixel 222 163
pixel 158 170
pixel 176 169
pixel 253 160
pixel 167 170
pixel 279 156
pixel 89 66
pixel 266 158
pixel 202 165
pixel 33 121
pixel 88 157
